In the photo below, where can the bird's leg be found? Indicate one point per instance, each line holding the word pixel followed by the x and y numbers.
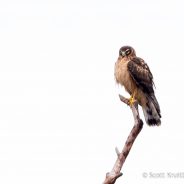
pixel 132 99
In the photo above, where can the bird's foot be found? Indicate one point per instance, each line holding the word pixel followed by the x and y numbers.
pixel 131 100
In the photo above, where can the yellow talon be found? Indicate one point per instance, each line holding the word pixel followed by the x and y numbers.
pixel 131 100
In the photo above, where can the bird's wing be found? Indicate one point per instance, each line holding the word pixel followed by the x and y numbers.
pixel 141 74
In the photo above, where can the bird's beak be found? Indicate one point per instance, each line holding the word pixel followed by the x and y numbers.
pixel 123 54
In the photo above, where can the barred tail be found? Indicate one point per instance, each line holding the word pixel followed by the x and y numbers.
pixel 152 112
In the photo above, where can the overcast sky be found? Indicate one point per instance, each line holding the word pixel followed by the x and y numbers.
pixel 60 115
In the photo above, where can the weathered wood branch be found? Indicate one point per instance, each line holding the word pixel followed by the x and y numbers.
pixel 121 156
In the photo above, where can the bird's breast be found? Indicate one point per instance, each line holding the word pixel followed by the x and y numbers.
pixel 122 75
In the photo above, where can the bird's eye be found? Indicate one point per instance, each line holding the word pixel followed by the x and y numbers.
pixel 127 52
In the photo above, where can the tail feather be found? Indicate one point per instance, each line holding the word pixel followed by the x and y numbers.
pixel 155 102
pixel 152 113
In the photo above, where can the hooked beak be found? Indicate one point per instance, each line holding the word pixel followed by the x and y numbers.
pixel 123 54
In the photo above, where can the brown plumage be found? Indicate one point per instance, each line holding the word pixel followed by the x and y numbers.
pixel 134 74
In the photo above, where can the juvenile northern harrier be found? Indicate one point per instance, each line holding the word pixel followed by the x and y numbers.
pixel 134 74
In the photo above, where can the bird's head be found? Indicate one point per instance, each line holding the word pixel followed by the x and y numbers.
pixel 127 51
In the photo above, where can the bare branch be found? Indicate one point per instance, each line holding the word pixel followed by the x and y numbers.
pixel 138 124
pixel 117 151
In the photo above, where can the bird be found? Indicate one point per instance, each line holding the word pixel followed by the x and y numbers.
pixel 134 75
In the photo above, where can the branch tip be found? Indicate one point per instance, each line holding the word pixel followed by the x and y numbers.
pixel 123 99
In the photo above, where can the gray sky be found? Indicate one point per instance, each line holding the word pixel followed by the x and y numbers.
pixel 60 116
